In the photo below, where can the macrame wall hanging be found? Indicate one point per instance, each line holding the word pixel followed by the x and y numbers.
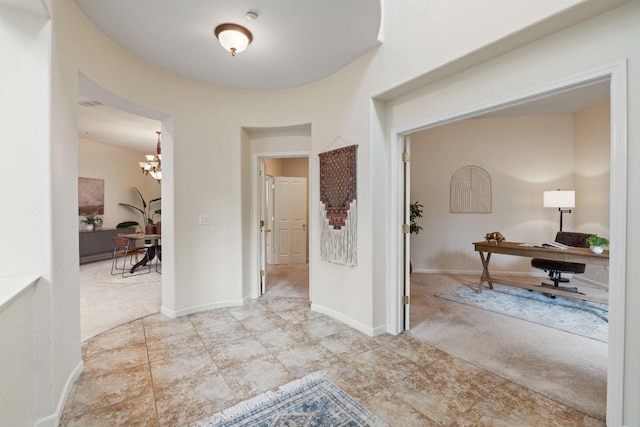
pixel 338 207
pixel 470 191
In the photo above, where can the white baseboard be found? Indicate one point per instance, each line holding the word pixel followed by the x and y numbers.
pixel 372 332
pixel 199 308
pixel 53 420
pixel 511 273
pixel 479 272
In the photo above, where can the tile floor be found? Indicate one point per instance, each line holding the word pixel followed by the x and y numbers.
pixel 158 371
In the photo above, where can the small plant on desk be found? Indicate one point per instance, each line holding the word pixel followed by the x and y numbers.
pixel 597 243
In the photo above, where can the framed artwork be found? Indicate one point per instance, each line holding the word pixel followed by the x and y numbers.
pixel 470 191
pixel 90 196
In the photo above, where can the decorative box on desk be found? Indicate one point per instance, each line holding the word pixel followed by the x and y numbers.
pixel 98 244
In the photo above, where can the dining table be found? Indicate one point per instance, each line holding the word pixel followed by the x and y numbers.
pixel 154 247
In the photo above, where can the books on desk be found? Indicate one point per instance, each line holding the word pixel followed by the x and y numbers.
pixel 546 245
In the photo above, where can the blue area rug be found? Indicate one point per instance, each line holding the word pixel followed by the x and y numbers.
pixel 312 401
pixel 585 318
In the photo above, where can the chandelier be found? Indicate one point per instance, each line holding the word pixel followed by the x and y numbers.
pixel 152 166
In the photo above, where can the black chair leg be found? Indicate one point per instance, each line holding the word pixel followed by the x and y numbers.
pixel 560 278
pixel 556 277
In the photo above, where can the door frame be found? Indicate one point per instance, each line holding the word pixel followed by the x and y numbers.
pixel 616 74
pixel 256 189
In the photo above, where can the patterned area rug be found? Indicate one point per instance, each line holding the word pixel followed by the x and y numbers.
pixel 310 401
pixel 584 318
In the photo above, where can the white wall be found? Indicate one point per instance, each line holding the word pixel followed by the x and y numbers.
pixel 208 123
pixel 605 39
pixel 118 167
pixel 40 331
pixel 204 267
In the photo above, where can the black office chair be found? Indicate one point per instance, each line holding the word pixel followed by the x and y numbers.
pixel 556 268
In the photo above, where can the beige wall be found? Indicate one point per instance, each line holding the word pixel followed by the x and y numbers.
pixel 525 156
pixel 294 167
pixel 118 167
pixel 592 133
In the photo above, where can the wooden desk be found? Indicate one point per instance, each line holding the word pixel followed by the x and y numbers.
pixel 152 250
pixel 580 255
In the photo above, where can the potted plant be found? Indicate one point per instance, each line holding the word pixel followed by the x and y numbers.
pixel 597 243
pixel 93 221
pixel 415 212
pixel 147 225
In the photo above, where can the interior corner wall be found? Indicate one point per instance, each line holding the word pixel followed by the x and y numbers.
pixel 592 131
pixel 524 156
pixel 118 167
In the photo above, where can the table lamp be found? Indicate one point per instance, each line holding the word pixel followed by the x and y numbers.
pixel 561 200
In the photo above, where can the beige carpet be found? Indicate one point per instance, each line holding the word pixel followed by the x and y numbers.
pixel 108 301
pixel 562 366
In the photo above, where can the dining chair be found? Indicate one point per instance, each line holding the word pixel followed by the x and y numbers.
pixel 124 251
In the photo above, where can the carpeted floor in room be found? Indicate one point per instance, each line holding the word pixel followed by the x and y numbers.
pixel 176 372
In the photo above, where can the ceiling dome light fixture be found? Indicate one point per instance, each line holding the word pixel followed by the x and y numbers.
pixel 233 38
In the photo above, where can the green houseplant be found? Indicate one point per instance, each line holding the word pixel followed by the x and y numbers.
pixel 415 212
pixel 145 212
pixel 597 243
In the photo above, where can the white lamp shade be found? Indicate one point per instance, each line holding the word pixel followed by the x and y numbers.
pixel 559 199
pixel 233 38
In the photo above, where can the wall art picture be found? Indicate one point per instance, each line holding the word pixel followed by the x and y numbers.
pixel 338 236
pixel 470 191
pixel 90 196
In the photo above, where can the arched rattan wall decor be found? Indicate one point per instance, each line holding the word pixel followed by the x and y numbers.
pixel 470 191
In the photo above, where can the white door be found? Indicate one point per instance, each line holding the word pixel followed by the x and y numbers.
pixel 407 247
pixel 270 217
pixel 290 220
pixel 264 229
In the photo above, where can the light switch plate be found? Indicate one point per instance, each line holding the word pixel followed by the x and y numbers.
pixel 203 220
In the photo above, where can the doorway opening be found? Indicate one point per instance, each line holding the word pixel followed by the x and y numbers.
pixel 112 131
pixel 613 75
pixel 284 220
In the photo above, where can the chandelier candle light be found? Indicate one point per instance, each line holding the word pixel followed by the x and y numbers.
pixel 153 166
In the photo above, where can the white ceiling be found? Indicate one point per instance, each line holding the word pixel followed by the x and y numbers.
pixel 108 125
pixel 295 42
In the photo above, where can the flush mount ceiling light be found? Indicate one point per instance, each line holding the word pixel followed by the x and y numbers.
pixel 233 38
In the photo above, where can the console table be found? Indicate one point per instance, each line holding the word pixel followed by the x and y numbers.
pixel 580 255
pixel 98 244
